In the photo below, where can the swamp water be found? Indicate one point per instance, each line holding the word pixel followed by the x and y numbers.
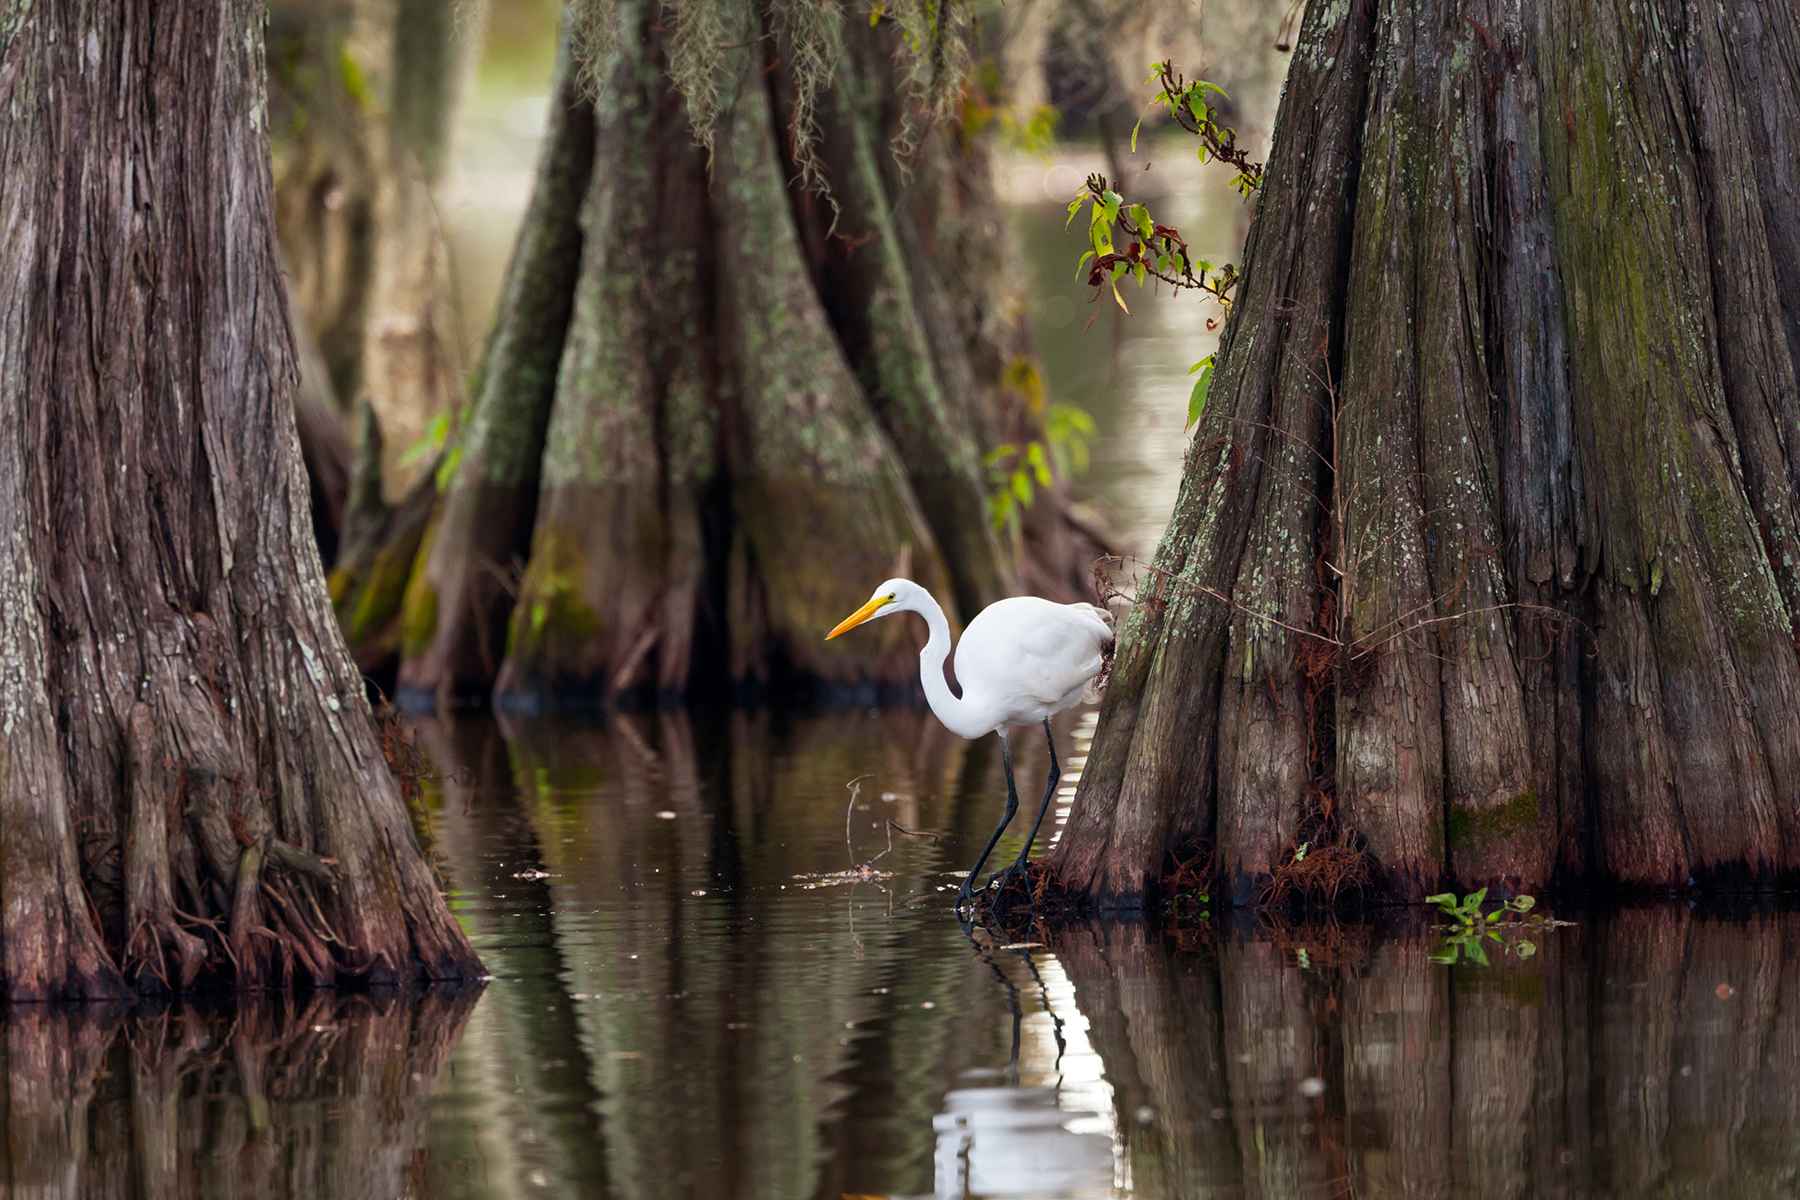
pixel 702 990
pixel 725 965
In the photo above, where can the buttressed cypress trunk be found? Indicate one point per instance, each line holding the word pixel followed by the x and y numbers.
pixel 709 417
pixel 1486 555
pixel 190 783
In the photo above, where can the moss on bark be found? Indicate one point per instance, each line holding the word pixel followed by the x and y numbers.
pixel 1548 510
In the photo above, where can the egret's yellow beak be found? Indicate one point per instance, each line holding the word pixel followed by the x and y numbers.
pixel 860 615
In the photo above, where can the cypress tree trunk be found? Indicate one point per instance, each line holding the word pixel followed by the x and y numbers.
pixel 1486 556
pixel 417 66
pixel 191 780
pixel 709 418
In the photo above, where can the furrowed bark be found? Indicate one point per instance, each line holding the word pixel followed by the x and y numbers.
pixel 1149 783
pixel 1556 483
pixel 168 640
pixel 817 490
pixel 618 517
pixel 878 318
pixel 735 418
pixel 1670 537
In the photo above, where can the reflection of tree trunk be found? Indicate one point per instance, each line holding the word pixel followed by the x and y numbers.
pixel 1397 1085
pixel 1719 1046
pixel 1448 400
pixel 542 1109
pixel 186 737
pixel 1157 1023
pixel 325 1098
pixel 1561 1140
pixel 1494 1079
pixel 1765 1149
pixel 1639 969
pixel 1267 1019
pixel 679 1030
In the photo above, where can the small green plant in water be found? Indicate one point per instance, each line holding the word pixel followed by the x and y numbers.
pixel 1469 926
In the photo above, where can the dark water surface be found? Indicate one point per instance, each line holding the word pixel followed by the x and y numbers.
pixel 701 991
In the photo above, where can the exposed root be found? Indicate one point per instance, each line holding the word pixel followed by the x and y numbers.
pixel 1014 904
pixel 1319 874
pixel 246 916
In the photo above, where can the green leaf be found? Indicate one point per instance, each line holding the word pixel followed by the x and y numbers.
pixel 1197 397
pixel 1139 216
pixel 1021 486
pixel 1000 453
pixel 1040 466
pixel 875 11
pixel 1445 954
pixel 1206 87
pixel 1112 200
pixel 1525 948
pixel 1134 133
pixel 1181 263
pixel 1139 270
pixel 1081 266
pixel 1475 953
pixel 1476 900
pixel 1197 105
pixel 1079 418
pixel 1074 207
pixel 434 436
pixel 1000 509
pixel 1201 366
pixel 446 471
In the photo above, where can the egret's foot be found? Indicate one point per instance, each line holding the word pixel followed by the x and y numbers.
pixel 1016 876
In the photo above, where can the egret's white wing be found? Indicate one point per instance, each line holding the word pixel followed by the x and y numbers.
pixel 1026 651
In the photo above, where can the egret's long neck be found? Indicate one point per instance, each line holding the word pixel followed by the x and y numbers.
pixel 955 712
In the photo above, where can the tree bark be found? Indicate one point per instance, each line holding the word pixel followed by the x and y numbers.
pixel 711 419
pixel 1484 559
pixel 177 701
pixel 411 373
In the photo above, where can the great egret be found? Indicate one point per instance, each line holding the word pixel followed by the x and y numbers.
pixel 1021 661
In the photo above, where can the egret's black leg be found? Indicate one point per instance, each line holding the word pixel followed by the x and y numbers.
pixel 1049 791
pixel 1012 806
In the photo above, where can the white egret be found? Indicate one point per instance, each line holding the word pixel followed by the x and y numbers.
pixel 1021 661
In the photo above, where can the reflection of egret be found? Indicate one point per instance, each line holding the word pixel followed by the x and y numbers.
pixel 1021 661
pixel 1001 1139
